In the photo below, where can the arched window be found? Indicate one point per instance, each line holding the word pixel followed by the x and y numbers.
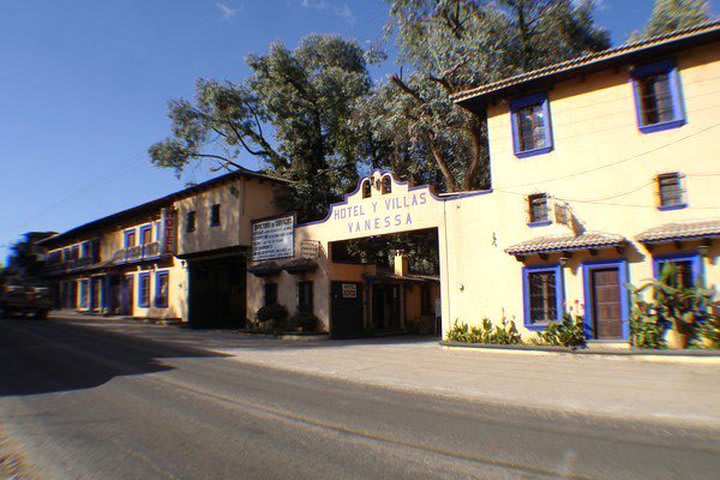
pixel 386 185
pixel 366 189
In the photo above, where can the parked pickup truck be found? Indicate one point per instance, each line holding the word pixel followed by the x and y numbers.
pixel 16 298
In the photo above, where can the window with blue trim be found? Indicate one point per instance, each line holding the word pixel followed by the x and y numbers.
pixel 658 98
pixel 86 252
pixel 144 290
pixel 532 133
pixel 84 284
pixel 145 234
pixel 130 238
pixel 688 269
pixel 543 294
pixel 162 286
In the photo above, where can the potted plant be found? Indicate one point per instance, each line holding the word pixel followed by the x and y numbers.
pixel 682 307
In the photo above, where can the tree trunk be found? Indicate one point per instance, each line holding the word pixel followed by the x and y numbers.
pixel 474 167
pixel 450 184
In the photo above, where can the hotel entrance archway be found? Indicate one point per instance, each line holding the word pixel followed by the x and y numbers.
pixel 385 285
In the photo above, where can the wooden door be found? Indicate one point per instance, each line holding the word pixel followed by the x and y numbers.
pixel 606 303
pixel 128 295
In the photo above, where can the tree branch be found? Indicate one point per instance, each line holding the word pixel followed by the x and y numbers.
pixel 404 87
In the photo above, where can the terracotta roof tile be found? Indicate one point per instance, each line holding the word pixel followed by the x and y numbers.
pixel 681 231
pixel 566 243
pixel 588 60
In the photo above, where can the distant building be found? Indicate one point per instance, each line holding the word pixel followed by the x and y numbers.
pixel 139 262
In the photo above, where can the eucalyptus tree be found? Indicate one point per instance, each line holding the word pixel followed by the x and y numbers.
pixel 291 113
pixel 454 45
pixel 670 15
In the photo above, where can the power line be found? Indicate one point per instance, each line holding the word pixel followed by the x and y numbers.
pixel 47 209
pixel 618 162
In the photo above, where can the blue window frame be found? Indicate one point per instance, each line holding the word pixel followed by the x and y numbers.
pixel 162 289
pixel 658 96
pixel 531 125
pixel 543 295
pixel 144 289
pixel 689 265
pixel 84 284
pixel 145 234
pixel 130 238
pixel 622 266
pixel 86 250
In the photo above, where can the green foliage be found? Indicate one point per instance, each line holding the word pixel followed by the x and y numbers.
pixel 708 335
pixel 420 247
pixel 645 330
pixel 24 260
pixel 671 300
pixel 505 333
pixel 272 318
pixel 304 322
pixel 454 45
pixel 670 15
pixel 304 96
pixel 569 332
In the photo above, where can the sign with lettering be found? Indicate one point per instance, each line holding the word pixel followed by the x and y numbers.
pixel 310 249
pixel 273 238
pixel 349 290
pixel 373 216
pixel 169 223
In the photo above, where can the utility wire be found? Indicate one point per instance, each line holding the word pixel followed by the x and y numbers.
pixel 618 162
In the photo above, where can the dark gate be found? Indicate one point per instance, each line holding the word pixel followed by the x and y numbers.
pixel 217 293
pixel 346 310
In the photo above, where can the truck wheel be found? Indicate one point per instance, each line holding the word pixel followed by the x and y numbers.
pixel 41 315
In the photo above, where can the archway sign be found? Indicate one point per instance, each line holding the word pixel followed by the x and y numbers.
pixel 380 205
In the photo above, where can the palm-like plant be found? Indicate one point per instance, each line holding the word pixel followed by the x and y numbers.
pixel 674 301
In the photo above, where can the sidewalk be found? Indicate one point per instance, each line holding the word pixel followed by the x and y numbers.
pixel 681 393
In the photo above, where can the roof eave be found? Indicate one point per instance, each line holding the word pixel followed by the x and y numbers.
pixel 477 103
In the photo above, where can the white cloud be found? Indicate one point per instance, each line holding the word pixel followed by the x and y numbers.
pixel 226 11
pixel 341 10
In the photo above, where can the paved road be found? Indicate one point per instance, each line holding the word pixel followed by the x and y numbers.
pixel 82 403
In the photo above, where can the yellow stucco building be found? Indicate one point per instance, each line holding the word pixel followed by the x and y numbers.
pixel 603 168
pixel 140 262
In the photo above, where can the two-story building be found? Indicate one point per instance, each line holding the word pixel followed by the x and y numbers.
pixel 604 168
pixel 141 262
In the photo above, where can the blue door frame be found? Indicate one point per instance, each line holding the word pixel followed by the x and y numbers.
pixel 622 266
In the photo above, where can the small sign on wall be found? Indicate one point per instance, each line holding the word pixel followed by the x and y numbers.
pixel 349 290
pixel 310 249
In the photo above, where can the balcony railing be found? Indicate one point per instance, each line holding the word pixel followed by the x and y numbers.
pixel 137 253
pixel 69 265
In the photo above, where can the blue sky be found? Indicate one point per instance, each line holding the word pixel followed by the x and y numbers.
pixel 85 85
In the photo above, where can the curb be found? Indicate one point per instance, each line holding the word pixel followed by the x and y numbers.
pixel 628 352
